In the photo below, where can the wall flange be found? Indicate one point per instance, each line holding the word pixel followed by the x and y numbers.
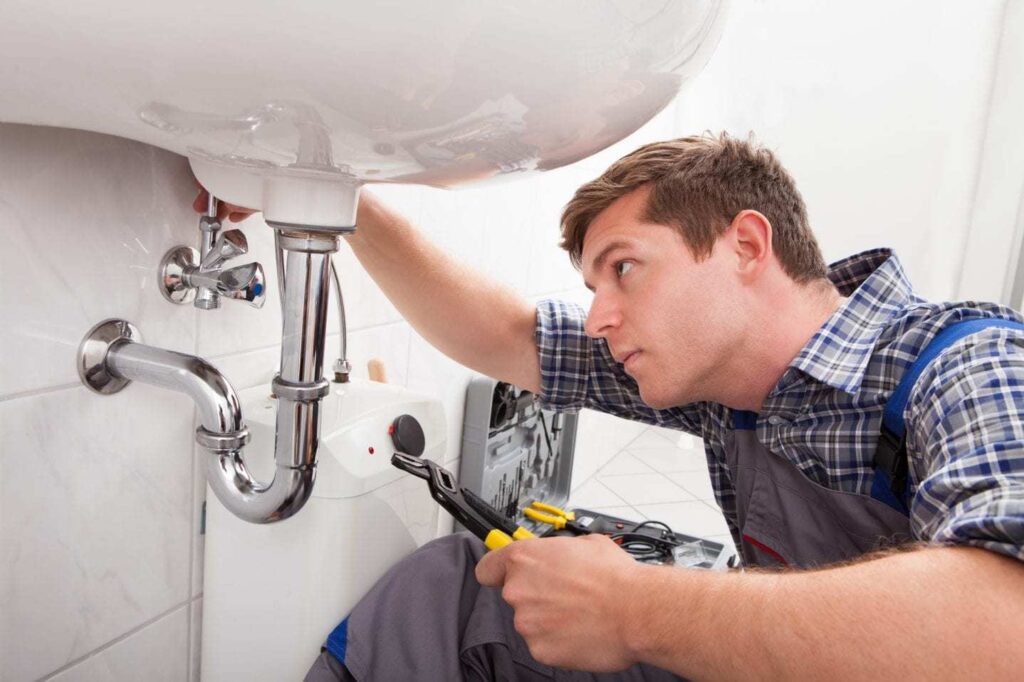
pixel 92 354
pixel 172 274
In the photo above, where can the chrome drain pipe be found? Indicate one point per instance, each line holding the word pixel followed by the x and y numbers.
pixel 111 356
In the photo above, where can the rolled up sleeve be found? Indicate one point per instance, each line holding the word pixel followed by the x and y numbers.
pixel 968 433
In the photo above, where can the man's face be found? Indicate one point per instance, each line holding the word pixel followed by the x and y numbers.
pixel 667 317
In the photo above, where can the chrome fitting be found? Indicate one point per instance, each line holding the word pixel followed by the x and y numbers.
pixel 282 227
pixel 220 442
pixel 309 242
pixel 300 393
pixel 342 370
pixel 188 275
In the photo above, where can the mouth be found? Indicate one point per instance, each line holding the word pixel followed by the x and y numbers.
pixel 625 358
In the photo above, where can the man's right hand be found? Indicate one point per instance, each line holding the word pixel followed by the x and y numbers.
pixel 225 211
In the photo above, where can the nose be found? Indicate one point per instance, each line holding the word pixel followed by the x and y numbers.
pixel 604 316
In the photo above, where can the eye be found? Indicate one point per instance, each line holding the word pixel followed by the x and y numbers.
pixel 622 267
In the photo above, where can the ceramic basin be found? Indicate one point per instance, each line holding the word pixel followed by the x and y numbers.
pixel 289 107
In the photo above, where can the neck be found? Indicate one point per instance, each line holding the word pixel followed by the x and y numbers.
pixel 788 316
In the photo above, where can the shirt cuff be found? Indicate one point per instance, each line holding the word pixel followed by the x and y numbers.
pixel 564 352
pixel 992 519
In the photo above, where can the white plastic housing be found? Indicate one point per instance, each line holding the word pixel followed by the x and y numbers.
pixel 273 592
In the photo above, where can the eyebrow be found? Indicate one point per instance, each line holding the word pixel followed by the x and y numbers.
pixel 603 255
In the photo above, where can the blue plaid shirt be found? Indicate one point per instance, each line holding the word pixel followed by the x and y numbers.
pixel 965 416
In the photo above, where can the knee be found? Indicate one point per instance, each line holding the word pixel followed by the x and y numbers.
pixel 450 551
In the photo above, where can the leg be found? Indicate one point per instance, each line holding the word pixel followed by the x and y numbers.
pixel 429 619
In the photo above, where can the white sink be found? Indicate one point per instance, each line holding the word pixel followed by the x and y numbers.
pixel 289 107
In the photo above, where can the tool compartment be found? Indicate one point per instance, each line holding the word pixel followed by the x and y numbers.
pixel 513 453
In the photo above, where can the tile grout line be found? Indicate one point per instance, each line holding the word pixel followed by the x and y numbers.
pixel 188 649
pixel 192 530
pixel 192 509
pixel 114 642
pixel 633 440
pixel 34 392
pixel 272 346
pixel 44 390
pixel 192 533
pixel 593 479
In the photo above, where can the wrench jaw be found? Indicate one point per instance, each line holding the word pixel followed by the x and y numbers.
pixel 445 490
pixel 411 465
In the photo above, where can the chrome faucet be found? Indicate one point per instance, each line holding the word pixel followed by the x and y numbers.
pixel 189 275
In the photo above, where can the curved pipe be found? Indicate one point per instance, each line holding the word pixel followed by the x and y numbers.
pixel 299 387
pixel 215 398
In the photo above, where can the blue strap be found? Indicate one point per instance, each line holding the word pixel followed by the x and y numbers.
pixel 744 420
pixel 897 403
pixel 337 641
pixel 890 484
pixel 881 490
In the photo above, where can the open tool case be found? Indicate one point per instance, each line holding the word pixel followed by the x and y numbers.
pixel 514 453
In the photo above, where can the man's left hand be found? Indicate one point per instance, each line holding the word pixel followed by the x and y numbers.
pixel 571 598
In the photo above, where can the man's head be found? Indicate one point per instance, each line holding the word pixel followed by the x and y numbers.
pixel 686 243
pixel 698 185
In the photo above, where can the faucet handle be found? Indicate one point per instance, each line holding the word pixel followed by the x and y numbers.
pixel 228 245
pixel 244 283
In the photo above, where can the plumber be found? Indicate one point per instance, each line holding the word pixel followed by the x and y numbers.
pixel 869 550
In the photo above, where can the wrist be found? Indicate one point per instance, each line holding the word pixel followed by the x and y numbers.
pixel 644 593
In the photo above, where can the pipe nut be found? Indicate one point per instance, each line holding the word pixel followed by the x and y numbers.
pixel 308 241
pixel 300 392
pixel 234 440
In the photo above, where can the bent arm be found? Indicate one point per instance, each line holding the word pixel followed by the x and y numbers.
pixel 468 317
pixel 937 613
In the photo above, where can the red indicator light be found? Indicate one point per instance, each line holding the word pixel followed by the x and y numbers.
pixel 371 449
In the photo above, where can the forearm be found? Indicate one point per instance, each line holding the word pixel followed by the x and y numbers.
pixel 935 613
pixel 468 317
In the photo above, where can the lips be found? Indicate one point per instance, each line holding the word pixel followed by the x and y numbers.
pixel 623 358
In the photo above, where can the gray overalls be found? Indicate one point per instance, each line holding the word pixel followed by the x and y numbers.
pixel 785 519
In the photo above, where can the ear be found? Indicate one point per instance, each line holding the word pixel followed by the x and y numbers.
pixel 752 242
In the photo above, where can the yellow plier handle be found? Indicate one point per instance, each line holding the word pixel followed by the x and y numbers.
pixel 496 539
pixel 555 517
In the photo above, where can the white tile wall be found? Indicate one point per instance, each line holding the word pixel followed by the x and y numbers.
pixel 95 502
pixel 79 247
pixel 101 497
pixel 95 493
pixel 153 653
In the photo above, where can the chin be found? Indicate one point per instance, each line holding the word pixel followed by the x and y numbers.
pixel 659 401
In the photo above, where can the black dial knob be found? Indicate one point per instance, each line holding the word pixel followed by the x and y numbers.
pixel 407 435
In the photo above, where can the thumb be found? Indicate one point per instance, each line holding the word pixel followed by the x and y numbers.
pixel 491 570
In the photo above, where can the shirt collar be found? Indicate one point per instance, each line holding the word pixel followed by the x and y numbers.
pixel 839 352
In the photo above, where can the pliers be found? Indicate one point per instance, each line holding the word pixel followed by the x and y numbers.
pixel 479 518
pixel 554 516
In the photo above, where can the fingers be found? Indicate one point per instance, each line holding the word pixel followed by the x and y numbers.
pixel 225 211
pixel 491 570
pixel 235 216
pixel 199 205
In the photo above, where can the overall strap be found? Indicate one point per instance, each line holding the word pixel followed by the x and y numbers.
pixel 891 468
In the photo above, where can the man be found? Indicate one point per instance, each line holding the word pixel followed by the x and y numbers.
pixel 714 313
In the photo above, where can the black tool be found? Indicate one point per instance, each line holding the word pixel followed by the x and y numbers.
pixel 477 516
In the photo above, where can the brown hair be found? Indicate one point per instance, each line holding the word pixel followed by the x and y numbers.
pixel 698 185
